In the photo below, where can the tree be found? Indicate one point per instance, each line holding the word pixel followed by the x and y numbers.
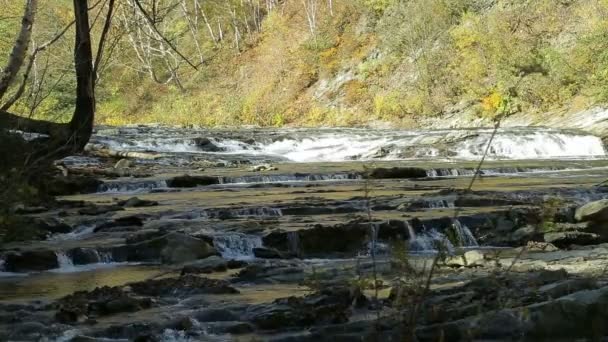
pixel 61 139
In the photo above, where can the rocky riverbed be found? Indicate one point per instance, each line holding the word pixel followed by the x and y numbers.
pixel 161 234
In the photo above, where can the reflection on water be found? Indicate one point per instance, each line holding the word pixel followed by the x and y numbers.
pixel 50 285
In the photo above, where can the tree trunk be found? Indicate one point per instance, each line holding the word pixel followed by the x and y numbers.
pixel 81 125
pixel 64 139
pixel 17 56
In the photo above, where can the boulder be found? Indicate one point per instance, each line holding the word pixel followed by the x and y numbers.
pixel 580 315
pixel 123 164
pixel 171 248
pixel 565 239
pixel 101 301
pixel 207 145
pixel 524 234
pixel 187 181
pixel 84 256
pixel 30 261
pixel 594 211
pixel 72 185
pixel 328 306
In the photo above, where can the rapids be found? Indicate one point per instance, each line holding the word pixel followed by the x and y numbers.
pixel 334 145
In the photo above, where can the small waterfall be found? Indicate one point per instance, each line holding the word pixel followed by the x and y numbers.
pixel 463 235
pixel 236 245
pixel 297 177
pixel 64 261
pixel 105 257
pixel 245 212
pixel 2 264
pixel 293 243
pixel 76 234
pixel 221 213
pixel 411 233
pixel 131 187
pixel 429 240
pixel 374 247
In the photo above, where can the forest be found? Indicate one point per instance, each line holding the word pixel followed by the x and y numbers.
pixel 321 62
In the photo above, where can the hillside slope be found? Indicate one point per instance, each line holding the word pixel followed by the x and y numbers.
pixel 353 62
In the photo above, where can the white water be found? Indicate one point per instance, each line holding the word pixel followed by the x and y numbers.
pixel 429 239
pixel 80 231
pixel 331 145
pixel 236 245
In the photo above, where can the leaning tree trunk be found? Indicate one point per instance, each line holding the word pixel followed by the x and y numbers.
pixel 17 56
pixel 69 138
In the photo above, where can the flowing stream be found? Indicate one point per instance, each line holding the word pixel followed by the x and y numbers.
pixel 300 196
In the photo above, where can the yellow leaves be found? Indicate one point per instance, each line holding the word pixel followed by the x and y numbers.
pixel 492 102
pixel 354 92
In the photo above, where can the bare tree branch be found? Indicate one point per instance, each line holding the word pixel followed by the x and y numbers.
pixel 155 29
pixel 26 74
pixel 106 28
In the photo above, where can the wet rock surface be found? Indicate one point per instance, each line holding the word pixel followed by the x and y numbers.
pixel 247 244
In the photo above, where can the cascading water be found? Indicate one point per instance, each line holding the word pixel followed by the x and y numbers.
pixel 330 145
pixel 236 245
pixel 131 186
pixel 464 236
pixel 428 239
pixel 64 261
pixel 293 243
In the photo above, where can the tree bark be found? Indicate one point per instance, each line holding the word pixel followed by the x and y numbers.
pixel 17 56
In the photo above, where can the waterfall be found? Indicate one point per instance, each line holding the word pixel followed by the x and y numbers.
pixel 429 240
pixel 293 243
pixel 105 257
pixel 64 261
pixel 463 235
pixel 289 178
pixel 411 233
pixel 236 245
pixel 131 186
